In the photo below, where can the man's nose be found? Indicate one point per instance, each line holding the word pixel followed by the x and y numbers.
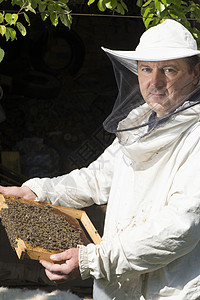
pixel 158 80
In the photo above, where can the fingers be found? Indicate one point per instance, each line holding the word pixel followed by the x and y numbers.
pixel 62 256
pixel 10 190
pixel 65 266
pixel 56 272
pixel 54 268
pixel 58 278
pixel 23 192
pixel 66 255
pixel 5 190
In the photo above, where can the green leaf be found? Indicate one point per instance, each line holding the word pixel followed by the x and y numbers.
pixel 109 5
pixel 57 8
pixel 155 22
pixel 170 1
pixel 139 3
pixel 114 3
pixel 10 34
pixel 159 5
pixel 66 20
pixel 1 54
pixel 147 3
pixel 62 4
pixel 44 16
pixel 177 2
pixel 54 19
pixel 7 35
pixel 17 2
pixel 194 29
pixel 65 1
pixel 33 3
pixel 196 34
pixel 2 29
pixel 148 20
pixel 90 2
pixel 101 5
pixel 178 13
pixel 51 8
pixel 8 18
pixel 30 8
pixel 146 12
pixel 164 14
pixel 70 19
pixel 120 9
pixel 42 7
pixel 174 16
pixel 124 5
pixel 11 18
pixel 21 28
pixel 14 18
pixel 195 11
pixel 185 3
pixel 1 18
pixel 27 18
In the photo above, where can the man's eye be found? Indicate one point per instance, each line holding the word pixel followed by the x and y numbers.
pixel 146 69
pixel 169 70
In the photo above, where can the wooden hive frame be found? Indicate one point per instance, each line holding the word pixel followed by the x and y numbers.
pixel 74 216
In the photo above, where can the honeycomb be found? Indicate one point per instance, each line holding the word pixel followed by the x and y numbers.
pixel 38 226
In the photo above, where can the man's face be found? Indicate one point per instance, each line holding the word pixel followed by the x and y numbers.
pixel 165 84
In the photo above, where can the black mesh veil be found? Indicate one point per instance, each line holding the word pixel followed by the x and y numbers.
pixel 131 115
pixel 128 98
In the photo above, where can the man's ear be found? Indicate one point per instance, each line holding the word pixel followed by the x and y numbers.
pixel 196 73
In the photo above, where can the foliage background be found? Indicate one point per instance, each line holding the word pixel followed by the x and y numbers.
pixel 15 14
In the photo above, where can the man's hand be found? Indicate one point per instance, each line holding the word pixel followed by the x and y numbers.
pixel 22 192
pixel 65 266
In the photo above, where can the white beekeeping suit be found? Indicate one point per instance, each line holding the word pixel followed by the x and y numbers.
pixel 149 178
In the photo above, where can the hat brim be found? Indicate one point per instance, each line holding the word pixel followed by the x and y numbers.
pixel 130 58
pixel 149 54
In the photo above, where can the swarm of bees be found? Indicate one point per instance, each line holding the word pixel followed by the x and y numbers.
pixel 38 226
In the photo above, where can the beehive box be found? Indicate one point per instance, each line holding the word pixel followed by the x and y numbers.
pixel 77 221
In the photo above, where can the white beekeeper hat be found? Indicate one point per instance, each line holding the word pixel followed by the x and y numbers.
pixel 166 41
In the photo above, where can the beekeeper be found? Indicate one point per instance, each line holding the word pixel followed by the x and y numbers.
pixel 149 178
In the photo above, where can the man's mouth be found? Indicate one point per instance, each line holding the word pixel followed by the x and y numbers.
pixel 157 94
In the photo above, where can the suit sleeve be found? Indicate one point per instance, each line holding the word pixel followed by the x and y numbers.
pixel 81 187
